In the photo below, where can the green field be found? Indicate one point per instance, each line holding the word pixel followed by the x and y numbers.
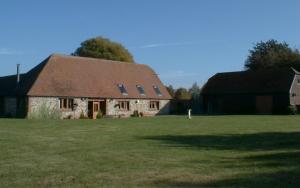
pixel 167 151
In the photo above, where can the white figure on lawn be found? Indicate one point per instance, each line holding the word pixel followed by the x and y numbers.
pixel 190 113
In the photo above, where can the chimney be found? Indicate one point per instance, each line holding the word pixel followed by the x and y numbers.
pixel 18 73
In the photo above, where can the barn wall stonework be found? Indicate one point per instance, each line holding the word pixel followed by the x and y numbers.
pixel 136 105
pixel 81 107
pixel 36 104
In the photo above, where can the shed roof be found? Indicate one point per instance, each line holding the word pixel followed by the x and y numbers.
pixel 245 82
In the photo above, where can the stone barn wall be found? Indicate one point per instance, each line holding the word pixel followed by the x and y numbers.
pixel 112 108
pixel 37 104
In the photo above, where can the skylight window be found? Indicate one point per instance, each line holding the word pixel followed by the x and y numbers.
pixel 157 90
pixel 122 89
pixel 141 89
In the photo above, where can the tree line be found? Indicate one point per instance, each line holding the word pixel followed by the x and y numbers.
pixel 184 99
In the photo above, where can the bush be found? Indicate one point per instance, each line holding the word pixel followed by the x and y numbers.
pixel 135 114
pixel 69 117
pixel 292 110
pixel 99 115
pixel 82 116
pixel 45 112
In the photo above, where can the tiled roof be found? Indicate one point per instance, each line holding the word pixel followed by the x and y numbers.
pixel 61 75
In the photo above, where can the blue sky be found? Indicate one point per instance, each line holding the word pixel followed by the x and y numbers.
pixel 184 41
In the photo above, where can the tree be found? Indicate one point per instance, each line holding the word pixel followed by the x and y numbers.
pixel 103 48
pixel 182 94
pixel 181 101
pixel 195 100
pixel 195 91
pixel 171 90
pixel 272 54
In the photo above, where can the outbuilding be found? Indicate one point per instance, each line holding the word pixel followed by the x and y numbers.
pixel 252 92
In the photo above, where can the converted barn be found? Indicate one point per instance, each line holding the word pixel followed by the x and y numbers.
pixel 252 92
pixel 75 87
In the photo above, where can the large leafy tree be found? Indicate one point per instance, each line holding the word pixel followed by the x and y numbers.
pixel 272 54
pixel 104 48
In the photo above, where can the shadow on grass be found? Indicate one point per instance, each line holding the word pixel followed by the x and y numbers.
pixel 246 142
pixel 281 179
pixel 281 161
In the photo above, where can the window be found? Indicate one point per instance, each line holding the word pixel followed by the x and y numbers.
pixel 122 89
pixel 140 89
pixel 157 90
pixel 63 103
pixel 70 103
pixel 124 105
pixel 154 105
pixel 66 103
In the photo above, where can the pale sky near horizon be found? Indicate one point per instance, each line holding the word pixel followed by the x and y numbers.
pixel 183 41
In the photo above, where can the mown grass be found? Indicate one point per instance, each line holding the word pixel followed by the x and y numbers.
pixel 166 151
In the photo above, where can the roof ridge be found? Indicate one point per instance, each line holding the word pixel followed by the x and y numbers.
pixel 93 58
pixel 230 72
pixel 12 75
pixel 261 70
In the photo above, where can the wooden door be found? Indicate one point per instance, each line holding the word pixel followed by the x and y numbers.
pixel 264 104
pixel 96 108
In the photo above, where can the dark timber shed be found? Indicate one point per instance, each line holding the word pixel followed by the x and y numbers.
pixel 252 92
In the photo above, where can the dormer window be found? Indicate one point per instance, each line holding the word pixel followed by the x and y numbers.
pixel 122 89
pixel 157 90
pixel 140 89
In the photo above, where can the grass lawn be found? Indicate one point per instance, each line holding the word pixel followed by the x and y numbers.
pixel 167 151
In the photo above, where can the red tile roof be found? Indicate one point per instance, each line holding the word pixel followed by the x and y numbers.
pixel 62 75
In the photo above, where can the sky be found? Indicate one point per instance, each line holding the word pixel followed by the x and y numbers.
pixel 184 41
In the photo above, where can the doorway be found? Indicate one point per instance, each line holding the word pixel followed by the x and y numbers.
pixel 94 107
pixel 103 107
